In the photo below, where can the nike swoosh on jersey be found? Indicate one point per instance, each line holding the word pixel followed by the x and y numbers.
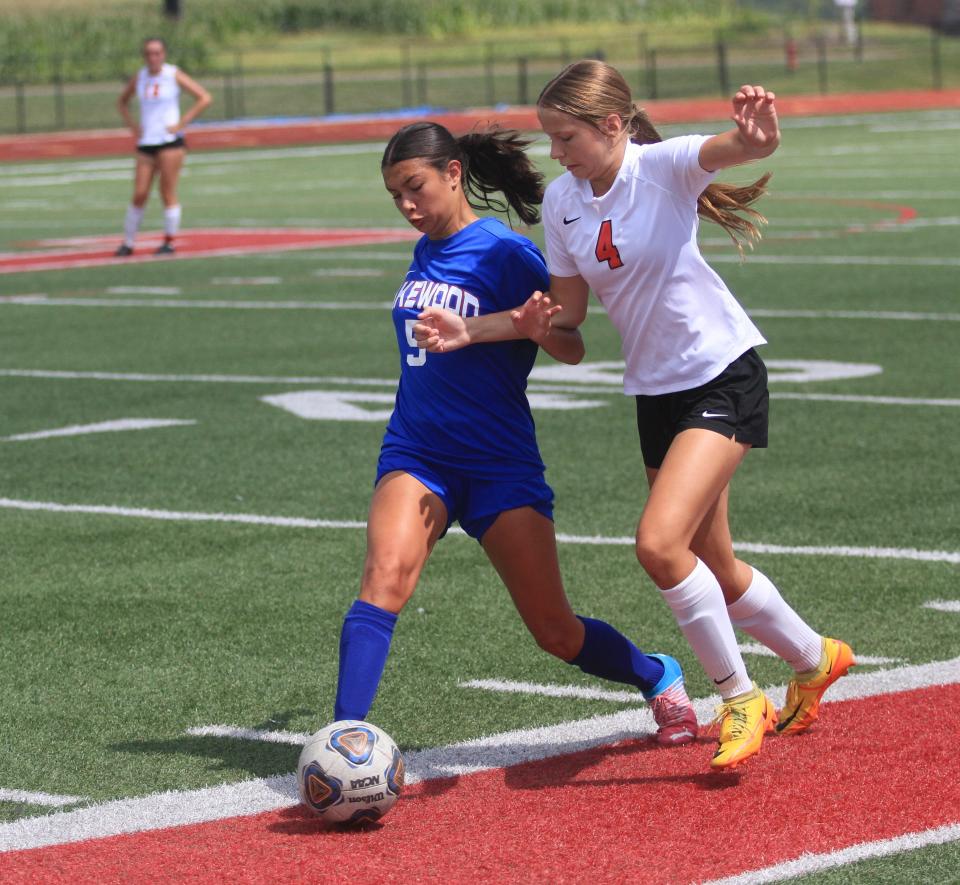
pixel 571 220
pixel 709 414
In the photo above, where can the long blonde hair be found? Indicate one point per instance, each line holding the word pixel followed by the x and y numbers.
pixel 592 90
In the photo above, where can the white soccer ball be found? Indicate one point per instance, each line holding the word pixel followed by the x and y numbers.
pixel 350 771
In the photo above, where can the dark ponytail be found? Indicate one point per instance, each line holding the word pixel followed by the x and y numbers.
pixel 494 161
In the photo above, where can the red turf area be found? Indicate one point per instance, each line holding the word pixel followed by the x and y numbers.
pixel 197 243
pixel 615 814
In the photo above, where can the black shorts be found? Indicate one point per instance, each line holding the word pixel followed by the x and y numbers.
pixel 734 404
pixel 151 150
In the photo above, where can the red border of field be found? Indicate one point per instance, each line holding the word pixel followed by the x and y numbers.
pixel 232 135
pixel 622 813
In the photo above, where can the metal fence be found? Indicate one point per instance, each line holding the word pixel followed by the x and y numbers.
pixel 496 73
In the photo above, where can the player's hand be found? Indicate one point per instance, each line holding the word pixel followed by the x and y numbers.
pixel 756 117
pixel 174 128
pixel 532 318
pixel 440 330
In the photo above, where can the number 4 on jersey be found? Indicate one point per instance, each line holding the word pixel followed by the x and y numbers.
pixel 605 250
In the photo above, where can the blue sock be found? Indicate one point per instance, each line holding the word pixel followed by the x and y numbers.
pixel 607 653
pixel 364 646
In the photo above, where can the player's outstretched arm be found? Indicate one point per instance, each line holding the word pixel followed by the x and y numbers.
pixel 757 134
pixel 442 331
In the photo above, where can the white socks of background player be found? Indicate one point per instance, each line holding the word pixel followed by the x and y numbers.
pixel 764 614
pixel 171 221
pixel 698 605
pixel 131 224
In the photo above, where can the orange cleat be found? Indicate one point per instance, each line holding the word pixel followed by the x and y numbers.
pixel 802 706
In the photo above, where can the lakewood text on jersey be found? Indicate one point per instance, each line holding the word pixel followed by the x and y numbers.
pixel 420 294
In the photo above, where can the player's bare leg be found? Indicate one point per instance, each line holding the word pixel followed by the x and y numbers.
pixel 405 520
pixel 143 174
pixel 170 162
pixel 522 546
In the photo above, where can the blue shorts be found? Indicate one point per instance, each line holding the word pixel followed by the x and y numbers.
pixel 474 503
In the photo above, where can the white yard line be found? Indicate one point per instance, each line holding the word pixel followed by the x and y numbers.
pixel 43 300
pixel 905 553
pixel 27 797
pixel 508 686
pixel 870 400
pixel 178 808
pixel 249 734
pixel 839 260
pixel 755 648
pixel 942 605
pixel 117 426
pixel 809 862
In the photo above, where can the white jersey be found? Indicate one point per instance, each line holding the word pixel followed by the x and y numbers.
pixel 636 246
pixel 159 96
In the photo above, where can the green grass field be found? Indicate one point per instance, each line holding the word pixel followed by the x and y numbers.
pixel 118 633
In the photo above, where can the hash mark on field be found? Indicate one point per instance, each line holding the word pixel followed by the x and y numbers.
pixel 249 734
pixel 197 303
pixel 243 281
pixel 51 800
pixel 755 648
pixel 943 605
pixel 349 272
pixel 810 863
pixel 555 691
pixel 143 290
pixel 117 426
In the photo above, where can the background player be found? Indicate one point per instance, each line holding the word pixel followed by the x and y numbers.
pixel 159 133
pixel 460 444
pixel 623 222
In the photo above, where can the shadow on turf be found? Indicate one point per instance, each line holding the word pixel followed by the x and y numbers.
pixel 259 759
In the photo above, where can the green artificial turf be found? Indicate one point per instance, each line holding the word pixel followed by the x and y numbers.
pixel 118 634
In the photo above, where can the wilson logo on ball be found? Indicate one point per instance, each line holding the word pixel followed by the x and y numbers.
pixel 355 744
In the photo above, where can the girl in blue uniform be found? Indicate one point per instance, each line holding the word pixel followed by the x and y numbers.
pixel 460 444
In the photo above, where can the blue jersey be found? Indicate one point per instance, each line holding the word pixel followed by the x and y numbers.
pixel 468 409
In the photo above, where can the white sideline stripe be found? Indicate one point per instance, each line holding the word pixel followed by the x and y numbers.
pixel 249 734
pixel 872 400
pixel 117 426
pixel 905 315
pixel 755 648
pixel 878 260
pixel 202 379
pixel 941 605
pixel 508 686
pixel 242 281
pixel 595 540
pixel 223 304
pixel 178 808
pixel 814 863
pixel 48 799
pixel 182 516
pixel 387 382
pixel 208 304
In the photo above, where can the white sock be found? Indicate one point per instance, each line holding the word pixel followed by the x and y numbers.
pixel 697 603
pixel 131 224
pixel 765 615
pixel 171 220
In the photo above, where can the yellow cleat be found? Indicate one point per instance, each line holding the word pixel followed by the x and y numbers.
pixel 802 706
pixel 743 721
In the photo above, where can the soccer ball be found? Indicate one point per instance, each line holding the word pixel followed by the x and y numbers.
pixel 350 772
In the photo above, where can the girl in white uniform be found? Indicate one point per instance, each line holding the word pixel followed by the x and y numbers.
pixel 159 134
pixel 623 222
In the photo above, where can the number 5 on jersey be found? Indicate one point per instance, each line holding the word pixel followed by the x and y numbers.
pixel 420 357
pixel 606 250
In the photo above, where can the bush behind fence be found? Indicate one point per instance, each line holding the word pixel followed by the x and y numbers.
pixel 500 72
